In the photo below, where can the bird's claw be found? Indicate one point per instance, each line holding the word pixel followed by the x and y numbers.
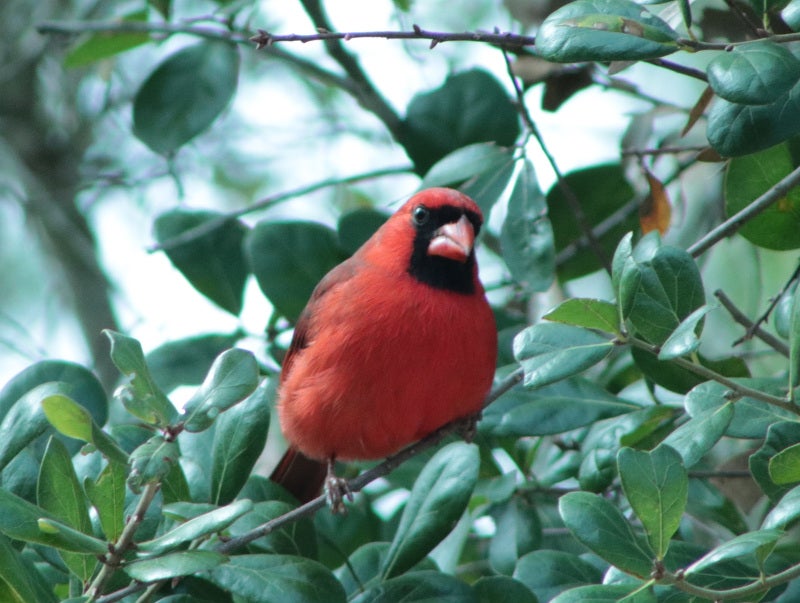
pixel 336 490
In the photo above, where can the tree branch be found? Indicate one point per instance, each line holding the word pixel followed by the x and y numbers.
pixel 752 328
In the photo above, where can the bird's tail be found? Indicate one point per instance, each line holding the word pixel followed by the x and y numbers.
pixel 301 476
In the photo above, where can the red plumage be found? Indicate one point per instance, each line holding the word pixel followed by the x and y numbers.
pixel 390 347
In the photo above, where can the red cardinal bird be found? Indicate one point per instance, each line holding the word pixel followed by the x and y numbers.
pixel 395 342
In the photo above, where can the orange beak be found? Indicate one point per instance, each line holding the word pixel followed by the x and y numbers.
pixel 453 241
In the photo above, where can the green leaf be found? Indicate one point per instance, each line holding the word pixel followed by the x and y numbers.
pixel 794 341
pixel 419 587
pixel 25 421
pixel 601 190
pixel 438 499
pixel 197 527
pixel 16 576
pixel 604 30
pixel 107 495
pixel 83 386
pixel 140 396
pixel 239 439
pixel 232 377
pixel 466 162
pixel 602 528
pixel 780 436
pixel 549 352
pixel 185 94
pixel 518 532
pixel 186 361
pixel 753 74
pixel 288 259
pixel 355 227
pixel 659 287
pixel 657 487
pixel 758 542
pixel 152 461
pixel 735 129
pixel 697 436
pixel 751 417
pixel 213 263
pixel 784 512
pixel 174 565
pixel 489 185
pixel 526 238
pixel 469 107
pixel 502 589
pixel 74 541
pixel 547 573
pixel 295 538
pixel 606 593
pixel 270 578
pixel 74 421
pixel 552 409
pixel 684 340
pixel 104 45
pixel 746 179
pixel 784 467
pixel 588 313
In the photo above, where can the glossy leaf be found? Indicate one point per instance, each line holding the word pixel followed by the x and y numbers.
pixel 288 259
pixel 758 543
pixel 754 74
pixel 602 528
pixel 174 565
pixel 697 436
pixel 239 439
pixel 588 313
pixel 606 593
pixel 185 94
pixel 684 339
pixel 547 573
pixel 25 421
pixel 489 185
pixel 107 495
pixel 267 578
pixel 295 538
pixel 152 461
pixel 794 341
pixel 419 587
pixel 518 532
pixel 232 377
pixel 213 263
pixel 140 395
pixel 604 30
pixel 469 107
pixel 784 467
pixel 197 527
pixel 438 499
pixel 526 239
pixel 502 589
pixel 747 178
pixel 780 436
pixel 657 487
pixel 785 512
pixel 549 352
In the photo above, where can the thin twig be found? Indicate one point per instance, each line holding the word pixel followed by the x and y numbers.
pixel 752 328
pixel 735 222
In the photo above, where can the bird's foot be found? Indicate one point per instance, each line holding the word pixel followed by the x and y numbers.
pixel 336 490
pixel 469 426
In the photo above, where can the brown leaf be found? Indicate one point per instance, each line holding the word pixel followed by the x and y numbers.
pixel 655 212
pixel 699 108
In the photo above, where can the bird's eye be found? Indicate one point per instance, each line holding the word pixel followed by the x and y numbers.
pixel 421 215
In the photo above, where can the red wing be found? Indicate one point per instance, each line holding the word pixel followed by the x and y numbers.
pixel 302 330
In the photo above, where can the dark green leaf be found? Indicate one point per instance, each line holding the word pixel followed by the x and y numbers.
pixel 107 495
pixel 549 352
pixel 152 461
pixel 174 486
pixel 469 107
pixel 526 238
pixel 604 30
pixel 185 94
pixel 239 439
pixel 271 578
pixel 697 436
pixel 232 377
pixel 355 227
pixel 466 162
pixel 25 421
pixel 107 44
pixel 601 190
pixel 786 511
pixel 684 339
pixel 659 287
pixel 657 487
pixel 548 573
pixel 489 185
pixel 518 531
pixel 197 527
pixel 780 436
pixel 794 341
pixel 597 470
pixel 419 587
pixel 587 313
pixel 16 576
pixel 141 396
pixel 74 541
pixel 758 542
pixel 295 538
pixel 437 501
pixel 214 262
pixel 753 74
pixel 502 589
pixel 747 178
pixel 602 528
pixel 174 565
pixel 606 593
pixel 289 259
pixel 552 409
